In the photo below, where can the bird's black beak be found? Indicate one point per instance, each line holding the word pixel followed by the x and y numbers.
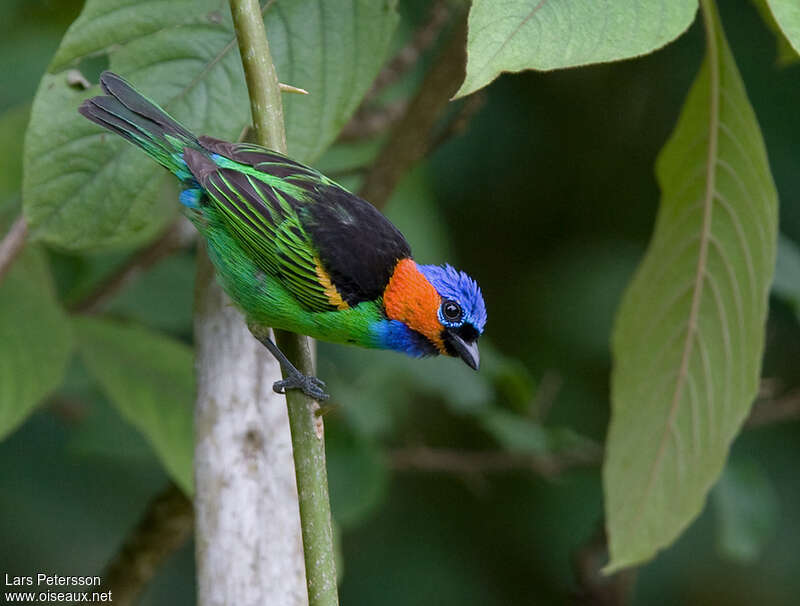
pixel 466 350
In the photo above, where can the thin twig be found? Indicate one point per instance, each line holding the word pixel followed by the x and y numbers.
pixel 12 244
pixel 308 443
pixel 458 125
pixel 178 235
pixel 370 118
pixel 368 122
pixel 775 410
pixel 470 462
pixel 165 527
pixel 408 56
pixel 549 386
pixel 785 408
pixel 595 588
pixel 409 140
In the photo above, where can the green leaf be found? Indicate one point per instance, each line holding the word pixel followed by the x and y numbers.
pixel 689 335
pixel 786 285
pixel 35 339
pixel 787 16
pixel 786 54
pixel 85 188
pixel 150 380
pixel 747 511
pixel 514 35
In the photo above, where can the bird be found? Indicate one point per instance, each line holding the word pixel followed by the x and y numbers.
pixel 296 251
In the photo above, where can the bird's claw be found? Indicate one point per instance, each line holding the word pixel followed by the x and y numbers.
pixel 309 385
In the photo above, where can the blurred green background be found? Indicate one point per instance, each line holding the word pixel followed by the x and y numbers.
pixel 548 199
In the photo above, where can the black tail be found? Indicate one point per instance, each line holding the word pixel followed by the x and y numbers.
pixel 133 116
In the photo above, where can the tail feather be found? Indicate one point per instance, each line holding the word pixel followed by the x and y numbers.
pixel 118 88
pixel 131 115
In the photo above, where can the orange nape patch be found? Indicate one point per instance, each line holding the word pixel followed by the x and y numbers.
pixel 334 298
pixel 411 299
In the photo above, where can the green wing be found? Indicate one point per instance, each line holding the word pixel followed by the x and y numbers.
pixel 261 212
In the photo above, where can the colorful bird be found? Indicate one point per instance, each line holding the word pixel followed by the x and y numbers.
pixel 297 251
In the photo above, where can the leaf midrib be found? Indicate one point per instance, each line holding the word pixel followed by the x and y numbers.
pixel 705 236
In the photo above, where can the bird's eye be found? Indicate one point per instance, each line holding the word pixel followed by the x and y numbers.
pixel 451 311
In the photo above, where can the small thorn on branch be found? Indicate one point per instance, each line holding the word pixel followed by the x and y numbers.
pixel 288 88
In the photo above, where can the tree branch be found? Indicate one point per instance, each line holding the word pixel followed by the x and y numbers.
pixel 766 412
pixel 469 107
pixel 776 410
pixel 410 138
pixel 370 120
pixel 12 244
pixel 306 427
pixel 471 462
pixel 409 55
pixel 595 588
pixel 164 528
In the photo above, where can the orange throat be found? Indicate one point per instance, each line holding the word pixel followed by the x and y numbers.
pixel 411 299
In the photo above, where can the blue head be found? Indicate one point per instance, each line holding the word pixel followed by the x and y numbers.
pixel 433 309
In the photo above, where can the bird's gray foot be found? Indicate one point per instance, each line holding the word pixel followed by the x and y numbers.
pixel 311 386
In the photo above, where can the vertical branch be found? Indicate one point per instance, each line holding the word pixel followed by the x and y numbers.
pixel 248 541
pixel 306 427
pixel 259 73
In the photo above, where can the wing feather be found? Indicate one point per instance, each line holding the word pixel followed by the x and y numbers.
pixel 265 224
pixel 330 249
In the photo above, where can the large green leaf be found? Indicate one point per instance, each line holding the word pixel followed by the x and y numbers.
pixel 787 16
pixel 514 35
pixel 35 340
pixel 689 335
pixel 85 188
pixel 150 379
